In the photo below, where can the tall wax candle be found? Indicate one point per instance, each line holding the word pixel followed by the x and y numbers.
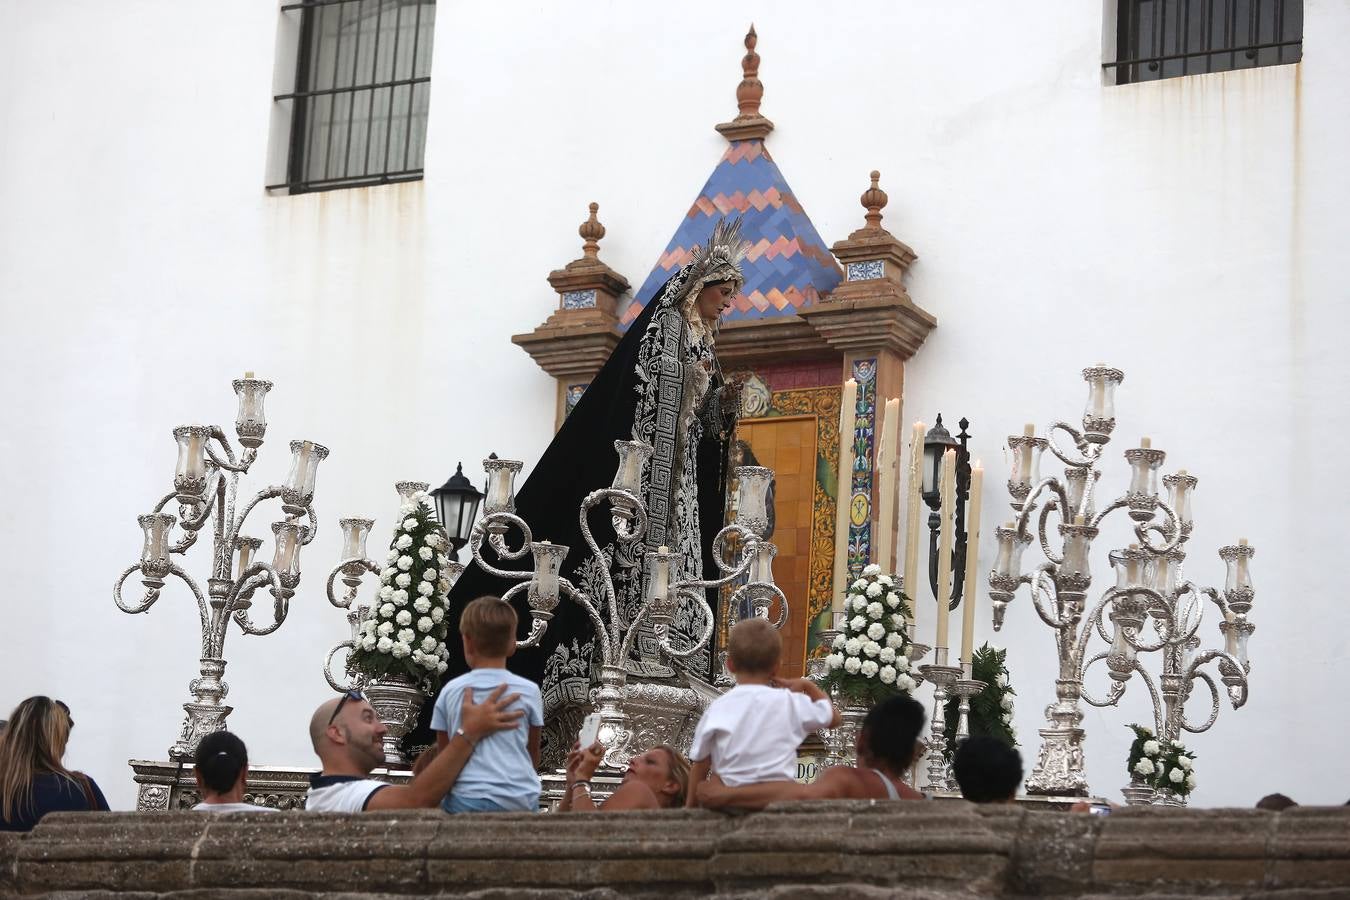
pixel 848 416
pixel 886 467
pixel 969 592
pixel 912 499
pixel 947 491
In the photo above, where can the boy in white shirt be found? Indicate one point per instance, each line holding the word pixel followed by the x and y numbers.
pixel 751 733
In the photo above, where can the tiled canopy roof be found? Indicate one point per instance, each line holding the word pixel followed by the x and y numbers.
pixel 788 267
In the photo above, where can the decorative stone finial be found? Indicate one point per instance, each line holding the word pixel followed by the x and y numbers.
pixel 592 231
pixel 874 199
pixel 748 124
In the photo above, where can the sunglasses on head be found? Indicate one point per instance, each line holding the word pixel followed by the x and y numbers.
pixel 349 695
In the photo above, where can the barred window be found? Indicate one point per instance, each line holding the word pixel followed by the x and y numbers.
pixel 1167 38
pixel 362 85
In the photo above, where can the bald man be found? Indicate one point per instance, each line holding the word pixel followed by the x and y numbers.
pixel 348 737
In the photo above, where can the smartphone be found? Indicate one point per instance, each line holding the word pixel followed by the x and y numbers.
pixel 590 731
pixel 1100 809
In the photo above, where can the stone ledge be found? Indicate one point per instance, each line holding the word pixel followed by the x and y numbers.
pixel 789 851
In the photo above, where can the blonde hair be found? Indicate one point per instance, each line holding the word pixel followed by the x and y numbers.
pixel 755 646
pixel 33 744
pixel 679 773
pixel 490 623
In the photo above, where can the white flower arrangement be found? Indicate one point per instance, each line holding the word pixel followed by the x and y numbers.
pixel 1162 765
pixel 868 661
pixel 404 633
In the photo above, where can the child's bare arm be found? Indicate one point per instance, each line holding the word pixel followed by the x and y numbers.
pixel 802 686
pixel 698 772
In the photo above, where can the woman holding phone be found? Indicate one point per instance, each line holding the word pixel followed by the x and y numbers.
pixel 657 779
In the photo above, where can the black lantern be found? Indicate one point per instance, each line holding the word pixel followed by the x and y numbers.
pixel 936 443
pixel 457 506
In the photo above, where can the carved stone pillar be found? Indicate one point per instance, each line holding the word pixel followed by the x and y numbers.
pixel 574 342
pixel 872 321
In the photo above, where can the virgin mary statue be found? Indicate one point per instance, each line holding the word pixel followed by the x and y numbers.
pixel 661 385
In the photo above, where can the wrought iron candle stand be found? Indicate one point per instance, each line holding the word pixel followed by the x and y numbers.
pixel 205 486
pixel 1149 590
pixel 544 587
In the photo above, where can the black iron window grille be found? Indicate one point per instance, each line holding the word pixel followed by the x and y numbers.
pixel 1167 38
pixel 362 85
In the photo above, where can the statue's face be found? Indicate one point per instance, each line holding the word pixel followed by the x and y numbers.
pixel 714 299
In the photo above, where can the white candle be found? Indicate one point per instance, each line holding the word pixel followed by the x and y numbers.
pixel 947 491
pixel 662 586
pixel 848 416
pixel 970 591
pixel 912 500
pixel 886 466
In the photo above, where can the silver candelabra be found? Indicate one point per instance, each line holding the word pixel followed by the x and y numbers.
pixel 1150 608
pixel 205 486
pixel 543 586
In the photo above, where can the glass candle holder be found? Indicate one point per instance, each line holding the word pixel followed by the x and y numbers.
pixel 286 556
pixel 1099 414
pixel 1011 546
pixel 1076 482
pixel 1026 462
pixel 250 422
pixel 409 490
pixel 752 510
pixel 761 566
pixel 1179 490
pixel 155 550
pixel 354 534
pixel 189 477
pixel 501 492
pixel 246 548
pixel 1166 570
pixel 548 560
pixel 1238 589
pixel 633 456
pixel 1142 495
pixel 1077 548
pixel 660 603
pixel 298 491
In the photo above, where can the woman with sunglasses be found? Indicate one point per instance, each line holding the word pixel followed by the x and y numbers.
pixel 33 779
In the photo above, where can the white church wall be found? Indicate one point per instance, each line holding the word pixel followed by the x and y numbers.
pixel 1185 230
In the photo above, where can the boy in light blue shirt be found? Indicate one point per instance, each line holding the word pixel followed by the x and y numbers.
pixel 501 774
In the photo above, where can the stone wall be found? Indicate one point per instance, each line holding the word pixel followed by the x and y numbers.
pixel 828 849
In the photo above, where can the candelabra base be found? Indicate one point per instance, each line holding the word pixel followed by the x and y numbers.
pixel 942 677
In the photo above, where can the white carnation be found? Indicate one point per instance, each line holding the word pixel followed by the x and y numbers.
pixel 869 669
pixel 871 570
pixel 400 598
pixel 894 640
pixel 875 590
pixel 425 588
pixel 425 624
pixel 887 674
pixel 410 524
pixel 851 665
pixel 853 646
pixel 897 620
pixel 422 605
pixel 393 556
pixel 387 573
pixel 387 610
pixel 1184 762
pixel 886 580
pixel 384 645
pixel 385 628
pixel 406 636
pixel 1178 745
pixel 442 560
pixel 839 641
pixel 437 614
pixel 892 599
pixel 403 542
pixel 1190 780
pixel 368 642
pixel 1144 767
pixel 443 653
pixel 859 604
pixel 428 644
pixel 441 667
pixel 403 579
pixel 1176 776
pixel 887 655
pixel 902 662
pixel 386 593
pixel 858 624
pixel 834 661
pixel 404 563
pixel 905 683
pixel 404 617
pixel 875 610
pixel 432 540
pixel 859 585
pixel 1002 680
pixel 429 575
pixel 1151 748
pixel 1006 702
pixel 401 649
pixel 417 656
pixel 876 631
pixel 871 648
pixel 426 553
pixel 407 508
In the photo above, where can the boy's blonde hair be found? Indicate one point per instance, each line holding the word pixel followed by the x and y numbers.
pixel 490 622
pixel 755 646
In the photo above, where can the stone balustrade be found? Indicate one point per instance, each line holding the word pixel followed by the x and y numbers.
pixel 805 850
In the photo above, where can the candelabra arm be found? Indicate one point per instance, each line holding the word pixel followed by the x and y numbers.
pixel 1113 693
pixel 196 592
pixel 258 575
pixel 307 536
pixel 1193 672
pixel 1043 586
pixel 662 631
pixel 328 667
pixel 350 597
pixel 1042 533
pixel 151 593
pixel 1171 531
pixel 1083 460
pixel 1049 482
pixel 1194 675
pixel 230 463
pixel 638 510
pixel 238 525
pixel 191 526
pixel 1115 505
pixel 584 600
pixel 537 629
pixel 505 552
pixel 164 501
pixel 723 539
pixel 772 591
pixel 1219 600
